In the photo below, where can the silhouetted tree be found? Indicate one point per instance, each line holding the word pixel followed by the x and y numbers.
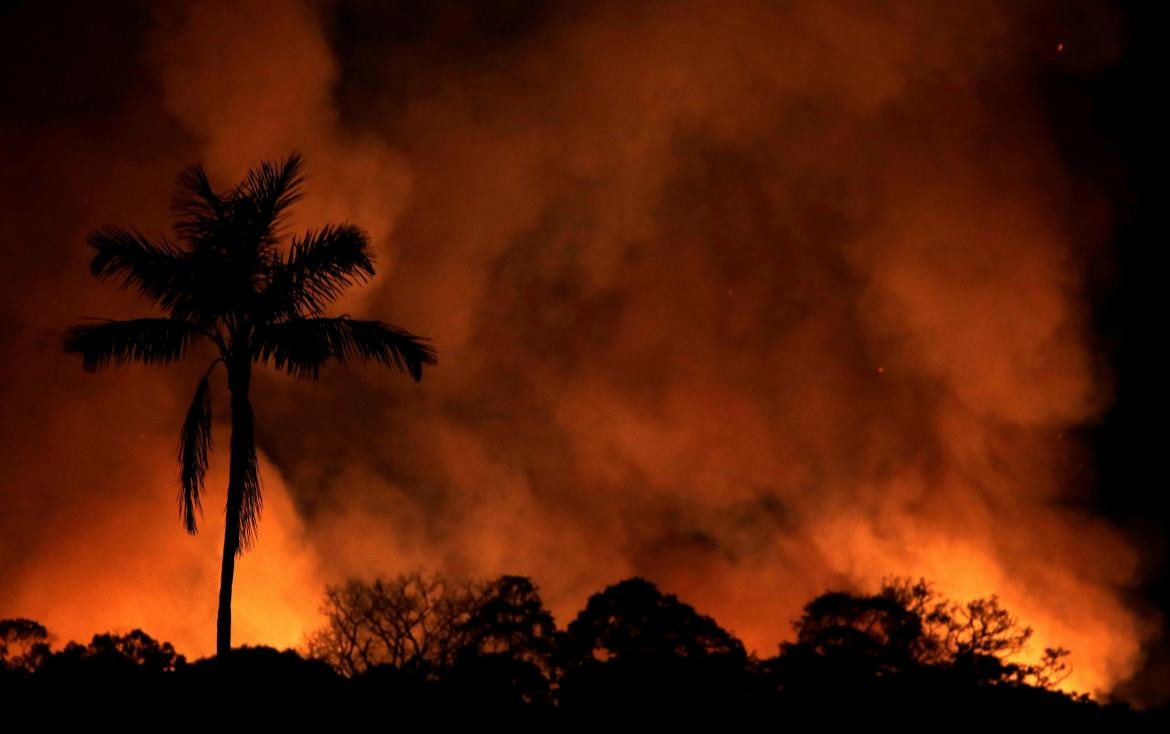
pixel 486 645
pixel 634 648
pixel 134 653
pixel 907 641
pixel 24 644
pixel 633 619
pixel 139 648
pixel 508 642
pixel 411 622
pixel 230 283
pixel 978 638
pixel 508 618
pixel 875 632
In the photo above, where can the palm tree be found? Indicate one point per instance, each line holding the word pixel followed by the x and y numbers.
pixel 230 282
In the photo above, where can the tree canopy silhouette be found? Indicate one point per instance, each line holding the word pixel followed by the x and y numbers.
pixel 633 619
pixel 509 619
pixel 907 627
pixel 24 643
pixel 443 654
pixel 635 649
pixel 228 280
pixel 423 624
pixel 413 621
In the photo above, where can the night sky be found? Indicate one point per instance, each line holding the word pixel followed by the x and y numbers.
pixel 753 299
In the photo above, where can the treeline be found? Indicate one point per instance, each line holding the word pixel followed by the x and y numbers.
pixel 433 650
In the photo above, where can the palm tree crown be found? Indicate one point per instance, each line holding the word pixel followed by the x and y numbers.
pixel 229 281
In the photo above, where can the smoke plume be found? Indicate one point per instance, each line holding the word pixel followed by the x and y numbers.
pixel 753 299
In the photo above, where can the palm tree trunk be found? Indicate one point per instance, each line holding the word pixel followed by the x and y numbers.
pixel 242 446
pixel 223 621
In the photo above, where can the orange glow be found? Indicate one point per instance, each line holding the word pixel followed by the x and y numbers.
pixel 668 243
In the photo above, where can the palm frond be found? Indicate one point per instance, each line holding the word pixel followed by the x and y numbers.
pixel 302 346
pixel 158 269
pixel 194 285
pixel 151 341
pixel 272 189
pixel 194 446
pixel 251 505
pixel 319 268
pixel 248 494
pixel 198 208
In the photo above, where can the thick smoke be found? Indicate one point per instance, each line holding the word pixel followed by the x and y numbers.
pixel 752 299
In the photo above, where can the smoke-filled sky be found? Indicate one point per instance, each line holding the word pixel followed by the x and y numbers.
pixel 753 299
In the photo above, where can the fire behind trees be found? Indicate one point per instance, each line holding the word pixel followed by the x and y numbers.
pixel 431 649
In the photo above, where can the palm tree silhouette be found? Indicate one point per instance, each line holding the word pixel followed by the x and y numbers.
pixel 231 283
